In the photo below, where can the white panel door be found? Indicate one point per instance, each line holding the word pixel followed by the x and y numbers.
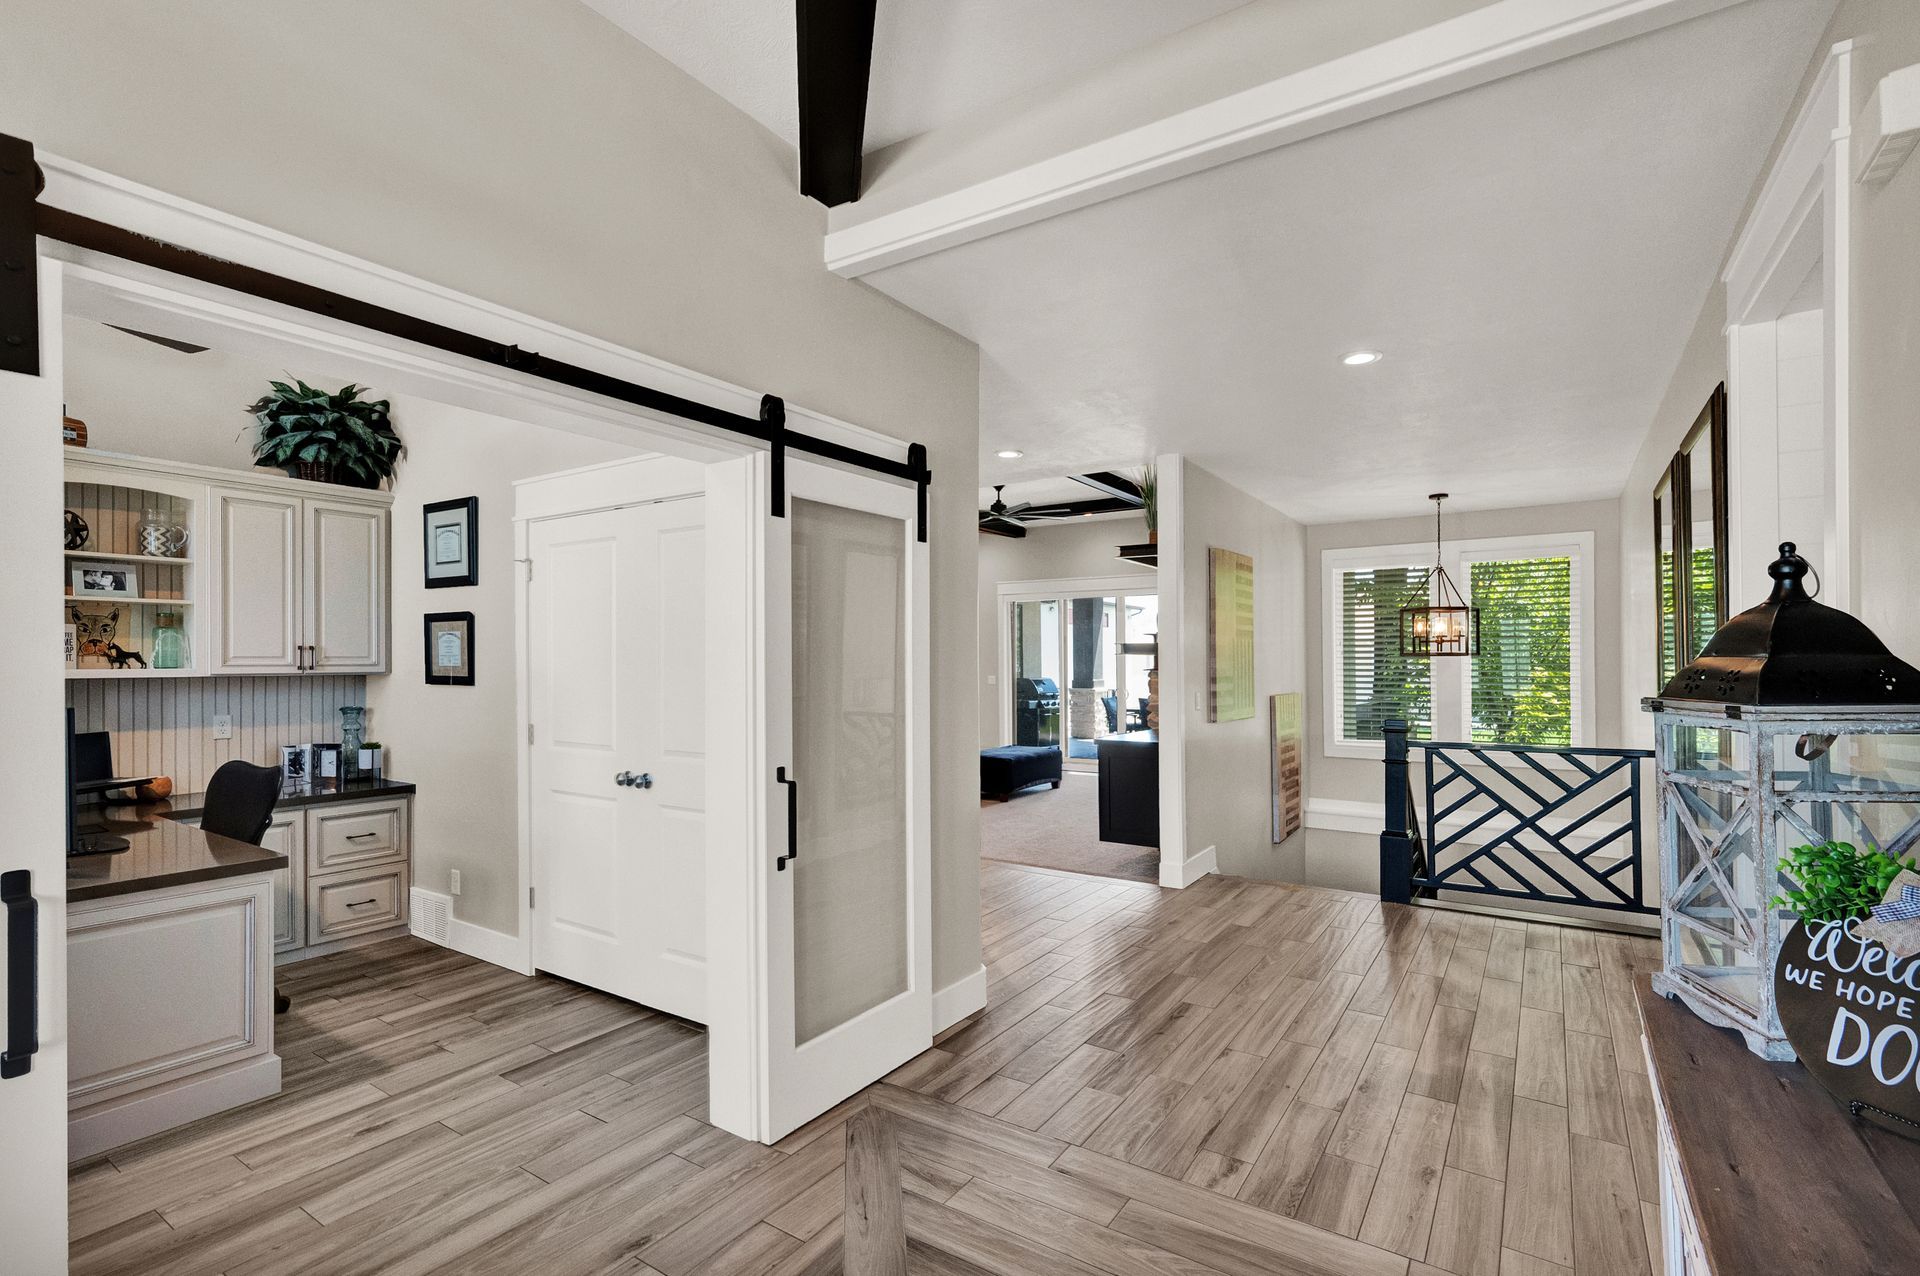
pixel 346 587
pixel 616 695
pixel 258 625
pixel 33 1088
pixel 847 981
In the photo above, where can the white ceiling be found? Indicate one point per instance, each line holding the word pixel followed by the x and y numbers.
pixel 934 61
pixel 1531 255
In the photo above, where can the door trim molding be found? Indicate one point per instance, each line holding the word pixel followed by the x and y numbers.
pixel 964 996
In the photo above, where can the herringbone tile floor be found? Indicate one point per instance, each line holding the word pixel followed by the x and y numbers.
pixel 1238 1078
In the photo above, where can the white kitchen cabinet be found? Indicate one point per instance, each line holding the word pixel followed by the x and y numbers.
pixel 300 581
pixel 287 835
pixel 345 578
pixel 257 580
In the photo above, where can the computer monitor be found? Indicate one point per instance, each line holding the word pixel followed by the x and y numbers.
pixel 89 838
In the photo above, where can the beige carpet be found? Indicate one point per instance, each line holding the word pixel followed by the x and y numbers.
pixel 1060 828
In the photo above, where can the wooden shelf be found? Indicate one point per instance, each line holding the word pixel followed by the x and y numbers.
pixel 137 602
pixel 94 672
pixel 129 558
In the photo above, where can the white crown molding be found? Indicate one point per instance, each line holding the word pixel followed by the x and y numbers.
pixel 91 192
pixel 1487 44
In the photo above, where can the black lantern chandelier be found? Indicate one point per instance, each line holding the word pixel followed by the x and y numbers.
pixel 1436 620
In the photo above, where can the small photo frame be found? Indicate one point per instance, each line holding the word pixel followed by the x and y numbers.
pixel 449 648
pixel 72 648
pixel 106 580
pixel 323 771
pixel 293 765
pixel 451 546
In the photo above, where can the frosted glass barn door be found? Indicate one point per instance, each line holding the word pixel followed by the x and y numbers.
pixel 849 936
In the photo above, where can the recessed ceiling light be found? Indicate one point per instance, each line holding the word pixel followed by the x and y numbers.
pixel 1360 358
pixel 1008 454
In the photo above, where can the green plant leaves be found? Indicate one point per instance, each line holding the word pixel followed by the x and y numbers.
pixel 298 423
pixel 1836 880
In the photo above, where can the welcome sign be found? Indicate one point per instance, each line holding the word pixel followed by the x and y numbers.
pixel 1852 1011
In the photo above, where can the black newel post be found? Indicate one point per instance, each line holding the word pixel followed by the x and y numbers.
pixel 1396 844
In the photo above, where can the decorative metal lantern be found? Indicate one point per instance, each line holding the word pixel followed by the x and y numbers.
pixel 1795 725
pixel 1435 619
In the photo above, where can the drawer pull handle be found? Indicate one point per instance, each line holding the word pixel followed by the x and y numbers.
pixel 23 973
pixel 363 903
pixel 359 837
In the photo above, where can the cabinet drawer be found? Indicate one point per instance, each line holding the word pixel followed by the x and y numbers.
pixel 348 837
pixel 348 903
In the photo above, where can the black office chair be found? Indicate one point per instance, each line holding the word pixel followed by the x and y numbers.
pixel 239 805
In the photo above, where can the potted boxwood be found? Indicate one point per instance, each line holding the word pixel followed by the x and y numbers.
pixel 328 438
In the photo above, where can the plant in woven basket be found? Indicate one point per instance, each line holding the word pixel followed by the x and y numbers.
pixel 1836 880
pixel 332 438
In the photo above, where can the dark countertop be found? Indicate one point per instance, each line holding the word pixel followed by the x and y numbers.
pixel 1781 1178
pixel 164 853
pixel 187 806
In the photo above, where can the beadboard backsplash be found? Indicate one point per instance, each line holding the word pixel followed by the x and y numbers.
pixel 164 726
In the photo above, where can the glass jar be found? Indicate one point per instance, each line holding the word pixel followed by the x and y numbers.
pixel 353 732
pixel 160 537
pixel 169 644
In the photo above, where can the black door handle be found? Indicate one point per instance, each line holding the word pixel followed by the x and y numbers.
pixel 793 819
pixel 23 973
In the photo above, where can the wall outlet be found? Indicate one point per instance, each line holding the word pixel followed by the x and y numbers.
pixel 223 726
pixel 453 882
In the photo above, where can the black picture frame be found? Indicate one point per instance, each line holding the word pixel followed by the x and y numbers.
pixel 469 506
pixel 433 619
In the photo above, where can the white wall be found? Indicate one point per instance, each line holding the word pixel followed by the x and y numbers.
pixel 528 152
pixel 1045 553
pixel 1227 765
pixel 458 743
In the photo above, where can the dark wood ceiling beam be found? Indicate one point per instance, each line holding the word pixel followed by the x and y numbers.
pixel 836 57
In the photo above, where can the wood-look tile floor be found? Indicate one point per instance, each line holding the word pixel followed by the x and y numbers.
pixel 1238 1078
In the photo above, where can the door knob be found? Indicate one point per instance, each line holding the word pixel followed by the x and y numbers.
pixel 624 778
pixel 642 781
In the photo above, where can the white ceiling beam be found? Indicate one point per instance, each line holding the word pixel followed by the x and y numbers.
pixel 1487 44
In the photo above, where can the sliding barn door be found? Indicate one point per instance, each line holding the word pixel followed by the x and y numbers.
pixel 33 932
pixel 848 956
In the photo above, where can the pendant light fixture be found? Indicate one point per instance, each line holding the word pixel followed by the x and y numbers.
pixel 1435 620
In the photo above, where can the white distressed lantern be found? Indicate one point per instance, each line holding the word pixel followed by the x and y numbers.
pixel 1795 725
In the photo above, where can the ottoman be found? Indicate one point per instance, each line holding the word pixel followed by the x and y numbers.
pixel 1010 768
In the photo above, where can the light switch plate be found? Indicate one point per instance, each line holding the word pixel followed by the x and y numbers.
pixel 223 726
pixel 453 882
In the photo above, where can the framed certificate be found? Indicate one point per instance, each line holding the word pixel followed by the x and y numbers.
pixel 450 546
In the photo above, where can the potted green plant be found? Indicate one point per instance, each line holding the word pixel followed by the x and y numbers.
pixel 1149 484
pixel 328 438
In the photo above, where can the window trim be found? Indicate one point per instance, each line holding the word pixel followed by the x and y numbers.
pixel 1452 695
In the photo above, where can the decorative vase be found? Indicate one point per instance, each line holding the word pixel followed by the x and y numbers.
pixel 353 732
pixel 169 644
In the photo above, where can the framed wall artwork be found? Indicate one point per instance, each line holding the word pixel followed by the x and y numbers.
pixel 452 543
pixel 449 653
pixel 1229 636
pixel 1287 725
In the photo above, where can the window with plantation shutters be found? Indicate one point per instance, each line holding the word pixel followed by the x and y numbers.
pixel 1377 682
pixel 1531 682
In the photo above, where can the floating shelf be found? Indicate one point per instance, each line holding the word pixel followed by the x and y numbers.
pixel 1146 555
pixel 130 558
pixel 137 602
pixel 95 671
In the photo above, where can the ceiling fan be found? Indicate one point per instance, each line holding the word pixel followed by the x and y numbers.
pixel 1002 519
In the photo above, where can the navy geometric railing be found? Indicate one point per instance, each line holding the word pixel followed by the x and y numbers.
pixel 1554 825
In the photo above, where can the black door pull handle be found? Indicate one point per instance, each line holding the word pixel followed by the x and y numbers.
pixel 793 819
pixel 23 973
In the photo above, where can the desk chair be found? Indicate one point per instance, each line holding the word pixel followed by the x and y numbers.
pixel 240 800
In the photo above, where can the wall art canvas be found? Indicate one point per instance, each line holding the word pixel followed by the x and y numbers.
pixel 1229 636
pixel 1288 754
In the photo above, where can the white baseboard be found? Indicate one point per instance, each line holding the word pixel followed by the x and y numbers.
pixel 470 938
pixel 91 1131
pixel 959 999
pixel 1191 870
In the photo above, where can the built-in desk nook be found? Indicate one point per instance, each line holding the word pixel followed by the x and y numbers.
pixel 169 981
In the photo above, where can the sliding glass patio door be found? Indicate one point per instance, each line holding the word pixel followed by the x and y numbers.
pixel 1072 678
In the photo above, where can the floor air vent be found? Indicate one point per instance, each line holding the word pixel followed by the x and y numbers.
pixel 431 910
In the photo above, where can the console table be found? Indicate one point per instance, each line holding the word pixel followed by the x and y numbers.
pixel 1130 788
